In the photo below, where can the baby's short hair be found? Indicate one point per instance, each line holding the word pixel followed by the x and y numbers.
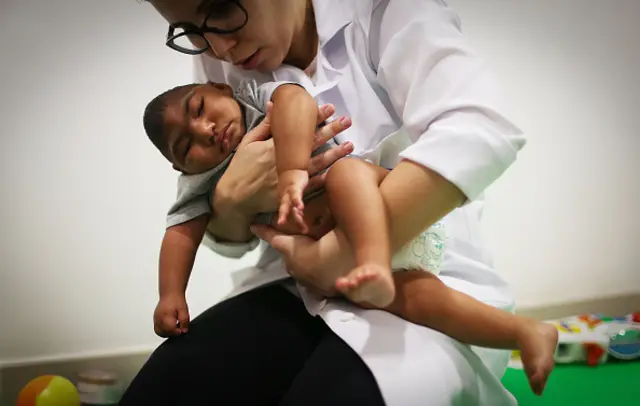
pixel 153 118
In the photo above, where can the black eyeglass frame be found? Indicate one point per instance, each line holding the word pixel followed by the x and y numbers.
pixel 190 29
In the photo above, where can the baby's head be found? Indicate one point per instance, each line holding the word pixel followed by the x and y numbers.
pixel 195 126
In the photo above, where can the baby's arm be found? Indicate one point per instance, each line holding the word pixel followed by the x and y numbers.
pixel 293 124
pixel 177 255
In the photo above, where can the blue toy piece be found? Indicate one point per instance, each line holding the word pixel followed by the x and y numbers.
pixel 624 341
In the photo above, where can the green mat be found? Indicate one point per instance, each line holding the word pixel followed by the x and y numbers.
pixel 609 384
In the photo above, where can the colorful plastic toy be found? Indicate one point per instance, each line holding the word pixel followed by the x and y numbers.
pixel 595 339
pixel 49 390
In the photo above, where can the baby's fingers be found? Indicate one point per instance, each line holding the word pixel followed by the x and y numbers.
pixel 169 325
pixel 285 208
pixel 297 200
pixel 183 318
pixel 299 218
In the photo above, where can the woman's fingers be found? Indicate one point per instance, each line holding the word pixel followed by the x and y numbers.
pixel 330 130
pixel 322 161
pixel 316 182
pixel 324 112
pixel 281 242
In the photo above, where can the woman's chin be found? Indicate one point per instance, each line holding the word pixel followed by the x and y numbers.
pixel 270 62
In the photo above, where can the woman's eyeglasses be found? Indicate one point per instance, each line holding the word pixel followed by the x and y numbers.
pixel 223 18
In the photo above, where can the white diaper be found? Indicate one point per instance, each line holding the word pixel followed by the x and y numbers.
pixel 425 252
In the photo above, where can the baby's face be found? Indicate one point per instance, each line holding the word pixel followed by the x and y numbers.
pixel 203 126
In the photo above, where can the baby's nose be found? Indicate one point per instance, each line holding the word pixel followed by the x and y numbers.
pixel 206 132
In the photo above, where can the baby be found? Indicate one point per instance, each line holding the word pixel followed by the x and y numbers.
pixel 197 128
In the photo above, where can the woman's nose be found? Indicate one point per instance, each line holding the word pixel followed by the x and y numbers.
pixel 220 45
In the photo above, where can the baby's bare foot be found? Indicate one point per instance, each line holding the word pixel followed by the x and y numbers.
pixel 369 283
pixel 537 343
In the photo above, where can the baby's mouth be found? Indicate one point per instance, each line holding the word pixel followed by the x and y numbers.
pixel 221 138
pixel 226 132
pixel 218 136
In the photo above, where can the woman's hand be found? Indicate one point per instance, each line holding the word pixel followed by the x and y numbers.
pixel 249 185
pixel 315 264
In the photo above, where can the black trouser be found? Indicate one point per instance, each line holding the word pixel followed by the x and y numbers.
pixel 259 348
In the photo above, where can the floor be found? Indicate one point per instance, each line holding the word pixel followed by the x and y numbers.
pixel 608 384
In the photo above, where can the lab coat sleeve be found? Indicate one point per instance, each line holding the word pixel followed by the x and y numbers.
pixel 446 99
pixel 208 69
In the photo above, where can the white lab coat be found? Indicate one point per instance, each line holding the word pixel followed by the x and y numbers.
pixel 414 89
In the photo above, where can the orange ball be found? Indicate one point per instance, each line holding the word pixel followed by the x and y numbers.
pixel 49 390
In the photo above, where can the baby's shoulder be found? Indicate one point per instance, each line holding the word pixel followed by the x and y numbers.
pixel 201 183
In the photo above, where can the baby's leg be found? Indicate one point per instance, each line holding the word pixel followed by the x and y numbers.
pixel 423 299
pixel 359 210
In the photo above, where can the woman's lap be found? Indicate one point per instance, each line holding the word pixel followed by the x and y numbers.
pixel 256 348
pixel 414 363
pixel 324 382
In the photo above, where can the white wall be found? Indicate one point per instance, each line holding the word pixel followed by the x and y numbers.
pixel 84 192
pixel 564 220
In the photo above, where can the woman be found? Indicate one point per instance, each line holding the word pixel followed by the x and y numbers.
pixel 422 103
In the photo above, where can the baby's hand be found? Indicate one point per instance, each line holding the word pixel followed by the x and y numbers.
pixel 170 311
pixel 291 185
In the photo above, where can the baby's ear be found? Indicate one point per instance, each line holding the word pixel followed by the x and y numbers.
pixel 175 168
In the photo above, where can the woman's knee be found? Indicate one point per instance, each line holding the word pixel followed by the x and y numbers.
pixel 334 375
pixel 450 372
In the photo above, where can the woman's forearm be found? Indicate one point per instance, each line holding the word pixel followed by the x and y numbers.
pixel 227 223
pixel 416 197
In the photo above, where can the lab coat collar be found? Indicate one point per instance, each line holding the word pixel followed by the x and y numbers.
pixel 331 16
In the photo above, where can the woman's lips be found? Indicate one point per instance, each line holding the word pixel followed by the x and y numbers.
pixel 251 62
